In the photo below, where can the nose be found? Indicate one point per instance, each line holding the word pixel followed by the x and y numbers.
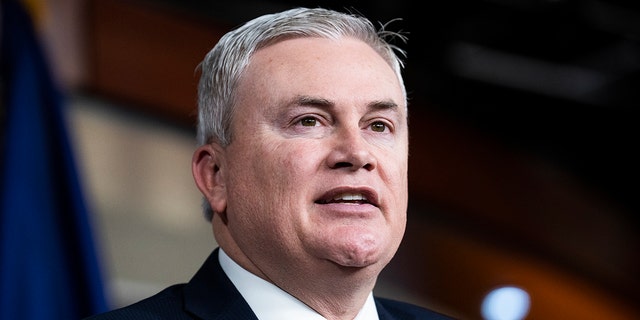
pixel 351 150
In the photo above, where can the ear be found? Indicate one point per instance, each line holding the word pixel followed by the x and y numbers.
pixel 208 172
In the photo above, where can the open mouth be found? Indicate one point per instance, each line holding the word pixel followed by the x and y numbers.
pixel 349 197
pixel 345 198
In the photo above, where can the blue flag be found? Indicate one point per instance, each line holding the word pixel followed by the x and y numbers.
pixel 48 263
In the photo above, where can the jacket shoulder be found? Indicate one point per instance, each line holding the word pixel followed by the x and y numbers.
pixel 167 304
pixel 393 309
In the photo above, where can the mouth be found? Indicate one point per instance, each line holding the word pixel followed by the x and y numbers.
pixel 355 197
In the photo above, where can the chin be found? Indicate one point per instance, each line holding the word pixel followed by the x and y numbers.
pixel 361 253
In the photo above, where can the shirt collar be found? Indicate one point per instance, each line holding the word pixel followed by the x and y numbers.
pixel 269 302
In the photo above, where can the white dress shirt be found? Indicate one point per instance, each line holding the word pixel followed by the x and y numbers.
pixel 269 302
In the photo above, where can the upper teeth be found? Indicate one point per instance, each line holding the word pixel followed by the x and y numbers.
pixel 350 197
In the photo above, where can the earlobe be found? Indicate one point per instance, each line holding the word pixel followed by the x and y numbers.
pixel 208 172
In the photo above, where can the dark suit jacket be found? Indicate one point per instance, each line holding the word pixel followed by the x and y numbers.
pixel 211 295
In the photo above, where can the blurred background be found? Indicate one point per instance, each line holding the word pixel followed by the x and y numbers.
pixel 523 158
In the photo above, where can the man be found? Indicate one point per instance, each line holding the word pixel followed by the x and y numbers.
pixel 303 166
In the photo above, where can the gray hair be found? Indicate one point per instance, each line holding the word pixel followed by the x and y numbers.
pixel 223 66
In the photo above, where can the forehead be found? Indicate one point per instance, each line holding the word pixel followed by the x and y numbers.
pixel 343 70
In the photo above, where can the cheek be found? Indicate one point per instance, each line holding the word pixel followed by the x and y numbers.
pixel 395 177
pixel 294 162
pixel 271 174
pixel 273 194
pixel 394 171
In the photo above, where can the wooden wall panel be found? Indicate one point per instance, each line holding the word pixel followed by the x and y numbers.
pixel 148 56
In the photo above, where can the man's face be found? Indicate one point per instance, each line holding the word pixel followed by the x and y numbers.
pixel 316 173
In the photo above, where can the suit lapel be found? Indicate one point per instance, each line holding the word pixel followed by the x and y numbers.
pixel 210 294
pixel 383 313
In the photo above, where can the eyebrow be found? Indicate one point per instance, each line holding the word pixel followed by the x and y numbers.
pixel 326 104
pixel 312 101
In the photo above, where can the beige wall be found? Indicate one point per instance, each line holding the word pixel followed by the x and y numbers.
pixel 137 177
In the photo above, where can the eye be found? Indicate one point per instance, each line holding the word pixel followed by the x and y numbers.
pixel 379 126
pixel 308 122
